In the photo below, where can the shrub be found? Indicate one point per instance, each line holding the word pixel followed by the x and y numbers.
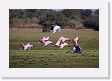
pixel 91 23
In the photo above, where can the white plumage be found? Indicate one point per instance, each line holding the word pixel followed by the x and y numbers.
pixel 56 28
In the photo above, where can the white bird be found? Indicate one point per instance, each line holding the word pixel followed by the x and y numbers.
pixel 56 28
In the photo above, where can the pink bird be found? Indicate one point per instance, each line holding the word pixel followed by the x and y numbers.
pixel 46 41
pixel 62 42
pixel 26 47
pixel 75 41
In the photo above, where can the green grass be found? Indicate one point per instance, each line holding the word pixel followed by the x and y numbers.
pixel 53 57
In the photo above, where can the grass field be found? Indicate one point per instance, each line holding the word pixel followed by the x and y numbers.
pixel 51 56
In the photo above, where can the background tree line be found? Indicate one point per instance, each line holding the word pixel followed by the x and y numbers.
pixel 45 18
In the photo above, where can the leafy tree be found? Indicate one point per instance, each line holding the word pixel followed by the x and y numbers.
pixel 72 13
pixel 85 13
pixel 92 23
pixel 66 18
pixel 90 19
pixel 51 17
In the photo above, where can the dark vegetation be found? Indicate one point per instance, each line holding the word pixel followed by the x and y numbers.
pixel 45 18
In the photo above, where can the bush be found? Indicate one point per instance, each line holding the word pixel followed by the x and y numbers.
pixel 74 24
pixel 91 23
pixel 50 18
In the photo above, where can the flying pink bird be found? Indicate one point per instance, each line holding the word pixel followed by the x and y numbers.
pixel 76 47
pixel 46 41
pixel 62 42
pixel 75 41
pixel 26 47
